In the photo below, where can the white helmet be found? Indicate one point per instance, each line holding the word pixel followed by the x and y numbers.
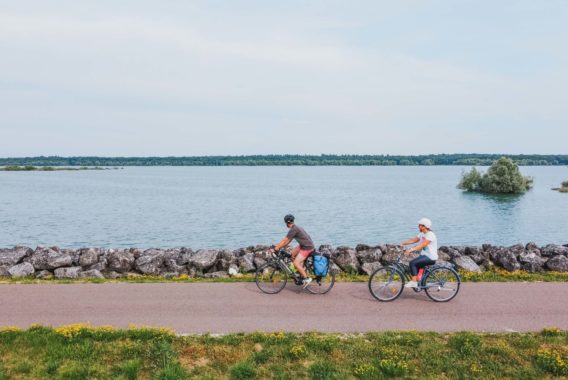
pixel 426 223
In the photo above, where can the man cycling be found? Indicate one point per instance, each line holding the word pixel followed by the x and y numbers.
pixel 428 248
pixel 302 251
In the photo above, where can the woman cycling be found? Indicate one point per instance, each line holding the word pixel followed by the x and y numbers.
pixel 428 248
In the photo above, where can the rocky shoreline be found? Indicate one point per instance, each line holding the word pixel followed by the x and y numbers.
pixel 61 263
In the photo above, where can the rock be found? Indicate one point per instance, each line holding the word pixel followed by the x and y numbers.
pixel 120 261
pixel 532 247
pixel 333 268
pixel 532 258
pixel 185 256
pixel 505 258
pixel 4 271
pixel 347 260
pixel 246 263
pixel 233 270
pixel 204 258
pixel 362 247
pixel 115 275
pixel 88 257
pixel 370 255
pixel 391 253
pixel 532 267
pixel 101 265
pixel 21 270
pixel 218 274
pixel 150 262
pixel 554 250
pixel 476 254
pixel 48 258
pixel 558 263
pixel 43 274
pixel 12 256
pixel 172 258
pixel 466 263
pixel 93 273
pixel 452 252
pixel 67 273
pixel 370 268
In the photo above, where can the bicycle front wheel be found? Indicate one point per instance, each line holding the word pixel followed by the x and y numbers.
pixel 386 284
pixel 442 284
pixel 270 278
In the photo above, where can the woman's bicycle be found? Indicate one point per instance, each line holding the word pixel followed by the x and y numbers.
pixel 440 281
pixel 272 277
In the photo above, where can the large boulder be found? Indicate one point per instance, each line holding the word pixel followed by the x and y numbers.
pixel 346 259
pixel 554 250
pixel 466 263
pixel 246 263
pixel 21 270
pixel 175 262
pixel 531 261
pixel 204 259
pixel 476 254
pixel 505 258
pixel 151 262
pixel 370 268
pixel 88 257
pixel 225 260
pixel 452 252
pixel 12 256
pixel 4 271
pixel 369 255
pixel 558 263
pixel 50 258
pixel 120 261
pixel 67 273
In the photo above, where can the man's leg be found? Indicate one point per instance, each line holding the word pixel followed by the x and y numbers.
pixel 299 263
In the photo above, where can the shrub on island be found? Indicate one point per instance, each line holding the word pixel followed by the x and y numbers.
pixel 503 177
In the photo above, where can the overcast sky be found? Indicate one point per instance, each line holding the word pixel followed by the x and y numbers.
pixel 254 77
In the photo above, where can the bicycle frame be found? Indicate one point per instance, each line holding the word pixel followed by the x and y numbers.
pixel 403 271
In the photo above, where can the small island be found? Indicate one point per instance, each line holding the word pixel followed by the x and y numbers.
pixel 503 177
pixel 27 168
pixel 563 189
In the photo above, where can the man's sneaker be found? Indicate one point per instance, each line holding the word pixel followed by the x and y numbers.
pixel 411 284
pixel 306 282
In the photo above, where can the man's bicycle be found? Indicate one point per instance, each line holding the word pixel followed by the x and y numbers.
pixel 440 281
pixel 272 277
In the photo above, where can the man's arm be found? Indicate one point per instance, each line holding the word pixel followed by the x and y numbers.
pixel 283 243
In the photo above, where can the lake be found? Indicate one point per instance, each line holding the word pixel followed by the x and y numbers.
pixel 231 207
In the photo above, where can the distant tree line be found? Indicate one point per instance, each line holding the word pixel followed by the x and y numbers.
pixel 289 160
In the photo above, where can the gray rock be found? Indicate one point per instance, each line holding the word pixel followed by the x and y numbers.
pixel 346 259
pixel 93 273
pixel 554 250
pixel 558 264
pixel 370 255
pixel 12 256
pixel 101 265
pixel 246 263
pixel 233 269
pixel 150 262
pixel 218 274
pixel 48 258
pixel 120 261
pixel 466 263
pixel 476 254
pixel 333 268
pixel 67 273
pixel 532 247
pixel 4 271
pixel 114 275
pixel 370 268
pixel 531 257
pixel 505 258
pixel 43 274
pixel 172 258
pixel 204 258
pixel 21 270
pixel 185 256
pixel 452 252
pixel 88 257
pixel 391 253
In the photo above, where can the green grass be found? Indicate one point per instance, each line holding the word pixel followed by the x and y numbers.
pixel 495 275
pixel 83 352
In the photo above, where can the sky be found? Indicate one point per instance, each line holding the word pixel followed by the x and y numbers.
pixel 185 78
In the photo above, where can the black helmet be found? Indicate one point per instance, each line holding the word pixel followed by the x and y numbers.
pixel 289 219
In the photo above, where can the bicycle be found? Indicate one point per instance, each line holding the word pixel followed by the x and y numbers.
pixel 440 281
pixel 272 276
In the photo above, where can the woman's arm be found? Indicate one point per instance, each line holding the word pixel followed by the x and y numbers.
pixel 419 247
pixel 410 241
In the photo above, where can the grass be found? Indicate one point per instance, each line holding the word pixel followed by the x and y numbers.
pixel 495 275
pixel 84 352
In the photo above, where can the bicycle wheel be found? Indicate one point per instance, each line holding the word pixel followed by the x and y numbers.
pixel 270 278
pixel 386 284
pixel 320 285
pixel 442 284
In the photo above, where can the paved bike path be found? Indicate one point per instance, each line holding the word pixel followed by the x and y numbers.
pixel 241 307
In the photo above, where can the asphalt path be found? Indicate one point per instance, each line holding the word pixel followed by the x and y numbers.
pixel 240 307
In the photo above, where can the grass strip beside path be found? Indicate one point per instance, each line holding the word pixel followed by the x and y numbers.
pixel 496 275
pixel 84 352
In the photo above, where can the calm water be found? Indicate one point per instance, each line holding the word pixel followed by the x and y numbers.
pixel 229 207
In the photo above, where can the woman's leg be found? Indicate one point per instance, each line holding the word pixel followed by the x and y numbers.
pixel 417 263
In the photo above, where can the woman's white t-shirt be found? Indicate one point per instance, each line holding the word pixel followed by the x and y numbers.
pixel 431 250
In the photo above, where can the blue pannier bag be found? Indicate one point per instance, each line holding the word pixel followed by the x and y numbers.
pixel 321 265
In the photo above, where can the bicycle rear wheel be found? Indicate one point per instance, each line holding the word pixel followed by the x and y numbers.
pixel 270 278
pixel 442 284
pixel 386 284
pixel 320 285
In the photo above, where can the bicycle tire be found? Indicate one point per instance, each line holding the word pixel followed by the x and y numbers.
pixel 378 284
pixel 278 282
pixel 442 275
pixel 322 285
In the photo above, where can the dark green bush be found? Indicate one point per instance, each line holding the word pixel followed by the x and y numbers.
pixel 503 177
